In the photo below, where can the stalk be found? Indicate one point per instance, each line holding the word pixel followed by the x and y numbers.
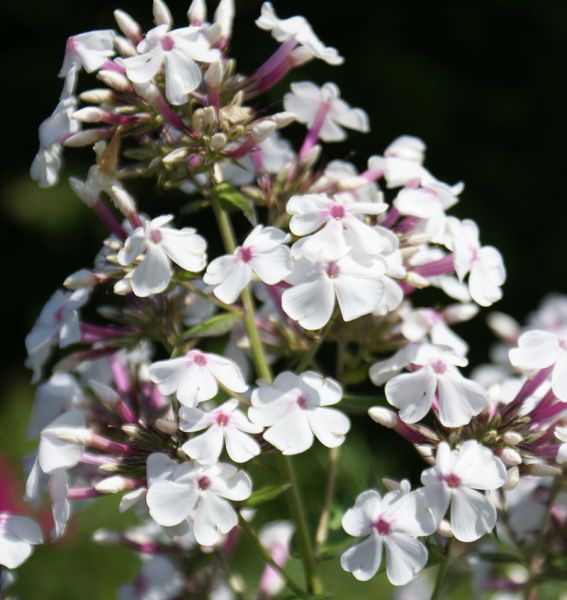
pixel 442 573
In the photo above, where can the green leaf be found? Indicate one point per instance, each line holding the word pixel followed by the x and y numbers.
pixel 195 206
pixel 266 494
pixel 331 550
pixel 215 326
pixel 499 557
pixel 232 199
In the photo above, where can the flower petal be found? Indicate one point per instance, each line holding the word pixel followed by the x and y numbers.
pixel 363 560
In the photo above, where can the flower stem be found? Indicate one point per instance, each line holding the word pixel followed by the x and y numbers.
pixel 314 583
pixel 323 526
pixel 442 573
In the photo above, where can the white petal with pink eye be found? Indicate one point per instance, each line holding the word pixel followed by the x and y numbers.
pixel 310 303
pixel 236 276
pixel 412 394
pixel 460 399
pixel 274 266
pixel 405 557
pixel 198 385
pixel 239 446
pixel 214 518
pixel 418 203
pixel 171 502
pixel 207 447
pixel 363 560
pixel 168 374
pixel 144 67
pixel 330 426
pixel 153 275
pixel 292 434
pixel 229 482
pixel 536 350
pixel 18 535
pixel 185 248
pixel 227 372
pixel 308 213
pixel 328 389
pixel 472 515
pixel 357 296
pixel 356 520
pixel 478 468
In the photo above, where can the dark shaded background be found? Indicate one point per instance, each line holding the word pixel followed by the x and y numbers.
pixel 482 82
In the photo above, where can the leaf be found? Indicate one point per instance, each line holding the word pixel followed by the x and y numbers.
pixel 232 199
pixel 195 206
pixel 499 557
pixel 266 494
pixel 214 326
pixel 331 550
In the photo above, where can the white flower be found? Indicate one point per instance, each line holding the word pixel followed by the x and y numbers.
pixel 199 494
pixel 540 350
pixel 354 282
pixel 394 522
pixel 159 579
pixel 194 377
pixel 459 399
pixel 276 538
pixel 225 425
pixel 343 228
pixel 323 108
pixel 300 30
pixel 483 263
pixel 561 435
pixel 55 453
pixel 275 153
pixel 58 322
pixel 18 535
pixel 402 161
pixel 263 252
pixel 454 481
pixel 161 243
pixel 295 408
pixel 46 166
pixel 179 51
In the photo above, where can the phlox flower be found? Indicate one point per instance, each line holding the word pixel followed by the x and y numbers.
pixel 295 409
pixel 159 579
pixel 353 281
pixel 540 350
pixel 483 264
pixel 402 162
pixel 195 377
pixel 342 226
pixel 298 29
pixel 225 426
pixel 455 481
pixel 393 522
pixel 180 51
pixel 459 399
pixel 55 453
pixel 263 253
pixel 276 538
pixel 199 494
pixel 58 323
pixel 323 109
pixel 159 244
pixel 18 535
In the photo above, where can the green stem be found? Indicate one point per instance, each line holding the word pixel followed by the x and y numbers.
pixel 323 526
pixel 308 357
pixel 314 583
pixel 266 556
pixel 442 573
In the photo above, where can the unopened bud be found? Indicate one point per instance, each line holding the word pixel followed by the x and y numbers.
pixel 81 279
pixel 300 55
pixel 125 47
pixel 106 537
pixel 148 91
pixel 197 13
pixel 72 435
pixel 122 200
pixel 97 96
pixel 513 438
pixel 490 436
pixel 209 118
pixel 416 280
pixel 263 130
pixel 162 16
pixel 512 479
pixel 511 457
pixel 213 75
pixel 426 452
pixel 283 119
pixel 114 484
pixel 128 26
pixel 132 431
pixel 122 287
pixel 444 529
pixel 409 251
pixel 89 114
pixel 391 484
pixel 383 416
pixel 213 33
pixel 107 395
pixel 197 120
pixel 224 16
pixel 110 467
pixel 86 137
pixel 541 470
pixel 311 156
pixel 166 426
pixel 218 142
pixel 114 80
pixel 178 155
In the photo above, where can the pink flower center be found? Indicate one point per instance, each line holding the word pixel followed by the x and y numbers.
pixel 155 236
pixel 167 43
pixel 332 270
pixel 199 359
pixel 245 254
pixel 439 367
pixel 337 211
pixel 474 254
pixel 302 401
pixel 222 419
pixel 452 480
pixel 203 482
pixel 381 526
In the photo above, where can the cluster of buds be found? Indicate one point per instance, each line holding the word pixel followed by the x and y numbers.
pixel 167 395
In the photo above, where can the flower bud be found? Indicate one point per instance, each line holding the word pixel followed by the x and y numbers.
pixel 512 438
pixel 87 137
pixel 214 74
pixel 511 457
pixel 110 467
pixel 108 396
pixel 122 200
pixel 218 142
pixel 178 155
pixel 541 470
pixel 197 13
pixel 125 47
pixel 197 120
pixel 224 16
pixel 426 452
pixel 283 119
pixel 162 16
pixel 114 80
pixel 416 280
pixel 166 426
pixel 147 91
pixel 128 26
pixel 383 416
pixel 512 479
pixel 89 114
pixel 263 130
pixel 444 529
pixel 391 484
pixel 311 156
pixel 72 435
pixel 213 33
pixel 122 287
pixel 209 118
pixel 114 484
pixel 83 191
pixel 300 55
pixel 97 96
pixel 81 279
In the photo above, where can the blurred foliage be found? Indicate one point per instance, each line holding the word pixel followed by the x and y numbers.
pixel 482 82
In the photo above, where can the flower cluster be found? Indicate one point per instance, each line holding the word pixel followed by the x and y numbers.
pixel 167 394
